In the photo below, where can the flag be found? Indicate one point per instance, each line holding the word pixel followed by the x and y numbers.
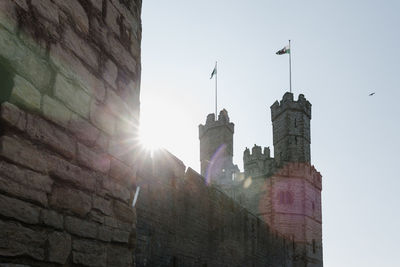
pixel 285 50
pixel 214 72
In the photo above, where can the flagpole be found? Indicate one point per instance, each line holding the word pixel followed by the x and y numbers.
pixel 216 90
pixel 290 67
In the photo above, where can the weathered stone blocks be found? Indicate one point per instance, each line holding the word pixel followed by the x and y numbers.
pixel 55 111
pixel 94 160
pixel 22 153
pixel 7 44
pixel 17 240
pixel 52 218
pixel 75 98
pixel 72 68
pixel 21 191
pixel 31 67
pixel 81 227
pixel 102 205
pixel 83 130
pixel 56 124
pixel 118 107
pixel 20 210
pixel 122 172
pixel 59 247
pixel 97 4
pixel 46 133
pixel 74 9
pixel 46 9
pixel 72 200
pixel 13 116
pixel 101 117
pixel 116 190
pixel 121 55
pixel 71 174
pixel 110 73
pixel 89 253
pixel 81 48
pixel 8 15
pixel 112 18
pixel 34 180
pixel 120 236
pixel 25 95
pixel 124 212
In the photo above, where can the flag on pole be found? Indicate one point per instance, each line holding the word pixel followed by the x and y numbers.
pixel 285 50
pixel 214 72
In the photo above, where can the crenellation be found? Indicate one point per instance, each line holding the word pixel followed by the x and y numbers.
pixel 223 120
pixel 287 102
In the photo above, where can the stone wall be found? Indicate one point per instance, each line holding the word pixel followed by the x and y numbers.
pixel 182 221
pixel 69 92
pixel 291 205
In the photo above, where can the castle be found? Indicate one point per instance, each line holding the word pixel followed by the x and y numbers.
pixel 77 190
pixel 284 190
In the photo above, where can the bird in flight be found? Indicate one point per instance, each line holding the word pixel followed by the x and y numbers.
pixel 371 94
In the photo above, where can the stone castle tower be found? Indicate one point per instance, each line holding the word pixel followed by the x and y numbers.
pixel 291 129
pixel 284 190
pixel 216 149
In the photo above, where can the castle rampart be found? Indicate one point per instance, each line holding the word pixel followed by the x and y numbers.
pixel 184 221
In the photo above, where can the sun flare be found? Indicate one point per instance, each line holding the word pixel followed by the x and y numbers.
pixel 149 135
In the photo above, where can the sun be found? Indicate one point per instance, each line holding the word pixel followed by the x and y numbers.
pixel 165 125
pixel 150 134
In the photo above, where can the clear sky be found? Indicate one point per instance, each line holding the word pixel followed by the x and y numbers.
pixel 342 50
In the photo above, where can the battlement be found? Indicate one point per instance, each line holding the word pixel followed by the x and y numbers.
pixel 258 162
pixel 256 153
pixel 223 120
pixel 287 102
pixel 303 170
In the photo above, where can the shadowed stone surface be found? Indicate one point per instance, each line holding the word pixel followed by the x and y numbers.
pixel 59 203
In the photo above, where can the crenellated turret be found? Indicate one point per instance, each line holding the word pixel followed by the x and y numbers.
pixel 216 149
pixel 223 120
pixel 287 102
pixel 257 163
pixel 291 129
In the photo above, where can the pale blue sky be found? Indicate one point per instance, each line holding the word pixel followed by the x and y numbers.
pixel 342 51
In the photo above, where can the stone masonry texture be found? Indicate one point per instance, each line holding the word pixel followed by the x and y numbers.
pixel 68 76
pixel 76 190
pixel 182 221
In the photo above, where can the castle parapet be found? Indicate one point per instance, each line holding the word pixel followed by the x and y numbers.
pixel 258 162
pixel 223 120
pixel 256 154
pixel 287 102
